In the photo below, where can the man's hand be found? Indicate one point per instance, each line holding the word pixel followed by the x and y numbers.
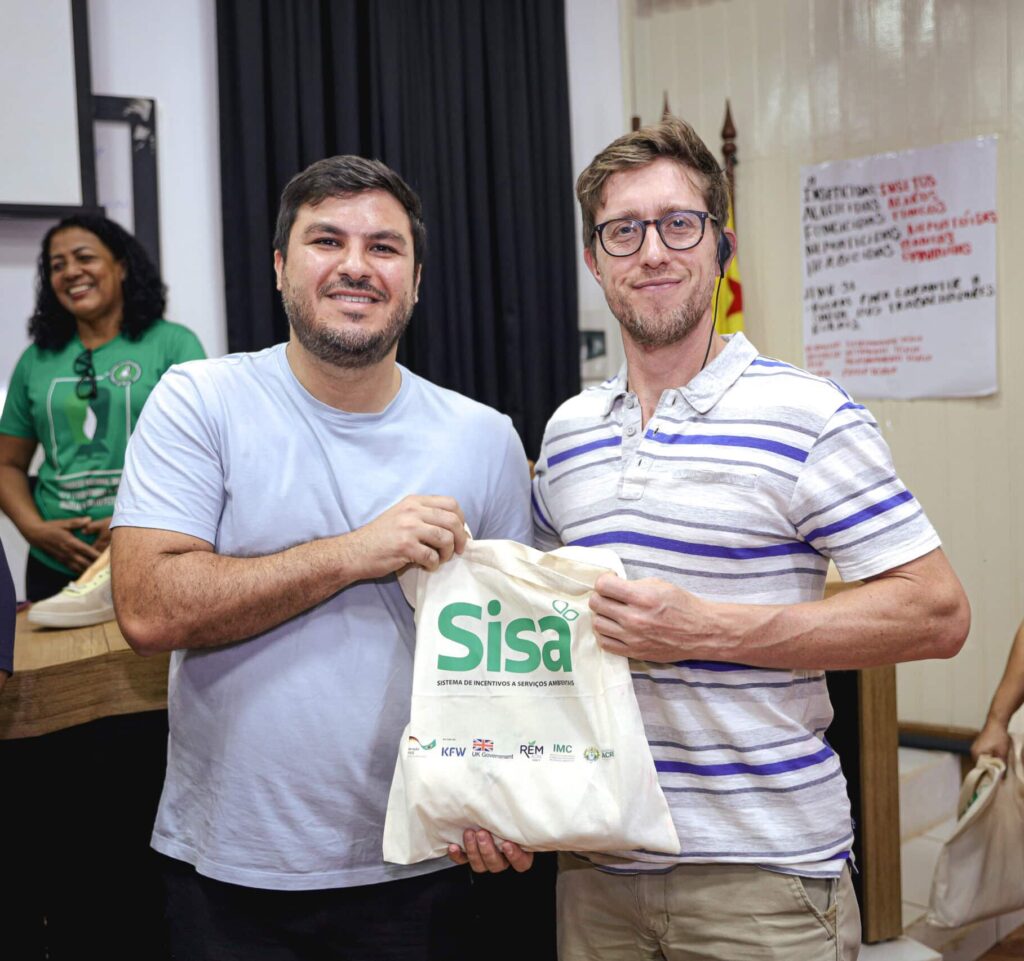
pixel 55 538
pixel 649 619
pixel 101 529
pixel 419 529
pixel 993 740
pixel 485 857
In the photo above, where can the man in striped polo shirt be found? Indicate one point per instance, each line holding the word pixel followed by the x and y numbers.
pixel 725 481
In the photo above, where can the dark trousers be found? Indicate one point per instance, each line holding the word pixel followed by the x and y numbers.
pixel 42 581
pixel 77 809
pixel 450 915
pixel 415 919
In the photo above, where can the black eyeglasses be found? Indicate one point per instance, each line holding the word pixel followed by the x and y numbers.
pixel 85 389
pixel 679 230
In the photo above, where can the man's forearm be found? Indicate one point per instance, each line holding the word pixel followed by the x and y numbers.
pixel 915 611
pixel 198 598
pixel 883 622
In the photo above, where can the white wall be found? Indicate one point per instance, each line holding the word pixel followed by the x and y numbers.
pixel 167 51
pixel 599 115
pixel 814 80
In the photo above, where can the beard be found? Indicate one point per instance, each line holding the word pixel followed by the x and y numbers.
pixel 660 328
pixel 348 347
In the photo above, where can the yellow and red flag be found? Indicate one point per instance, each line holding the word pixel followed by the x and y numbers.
pixel 729 318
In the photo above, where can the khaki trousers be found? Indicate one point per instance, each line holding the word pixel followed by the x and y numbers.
pixel 704 912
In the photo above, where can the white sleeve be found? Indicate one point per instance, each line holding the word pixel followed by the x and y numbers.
pixel 173 473
pixel 850 505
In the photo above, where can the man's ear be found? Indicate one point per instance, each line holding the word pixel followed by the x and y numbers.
pixel 278 266
pixel 591 261
pixel 416 284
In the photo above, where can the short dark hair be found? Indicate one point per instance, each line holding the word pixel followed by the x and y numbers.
pixel 672 138
pixel 52 326
pixel 342 176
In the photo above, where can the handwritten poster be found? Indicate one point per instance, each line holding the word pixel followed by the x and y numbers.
pixel 899 258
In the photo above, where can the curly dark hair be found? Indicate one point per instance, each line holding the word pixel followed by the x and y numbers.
pixel 51 326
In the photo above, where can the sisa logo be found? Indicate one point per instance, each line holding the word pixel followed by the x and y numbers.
pixel 529 639
pixel 533 749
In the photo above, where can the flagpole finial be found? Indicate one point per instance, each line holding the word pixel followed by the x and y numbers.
pixel 729 152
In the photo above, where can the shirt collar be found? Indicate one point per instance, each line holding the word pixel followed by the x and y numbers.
pixel 708 387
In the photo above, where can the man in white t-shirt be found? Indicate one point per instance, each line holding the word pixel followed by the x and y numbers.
pixel 725 481
pixel 267 501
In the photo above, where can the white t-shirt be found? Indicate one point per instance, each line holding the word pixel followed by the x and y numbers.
pixel 282 747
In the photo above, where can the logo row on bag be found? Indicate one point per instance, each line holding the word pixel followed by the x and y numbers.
pixel 531 750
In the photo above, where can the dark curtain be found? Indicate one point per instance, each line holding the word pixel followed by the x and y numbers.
pixel 468 101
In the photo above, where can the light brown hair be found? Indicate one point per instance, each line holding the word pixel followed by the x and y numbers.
pixel 672 138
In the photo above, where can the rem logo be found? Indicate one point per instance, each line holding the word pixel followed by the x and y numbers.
pixel 533 749
pixel 562 748
pixel 530 640
pixel 452 751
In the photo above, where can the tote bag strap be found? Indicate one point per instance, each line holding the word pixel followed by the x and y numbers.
pixel 988 769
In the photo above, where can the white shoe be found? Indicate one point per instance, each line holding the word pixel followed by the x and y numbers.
pixel 77 605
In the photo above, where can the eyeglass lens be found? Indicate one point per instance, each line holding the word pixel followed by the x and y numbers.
pixel 85 389
pixel 679 230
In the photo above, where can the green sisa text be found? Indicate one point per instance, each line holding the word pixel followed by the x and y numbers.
pixel 554 652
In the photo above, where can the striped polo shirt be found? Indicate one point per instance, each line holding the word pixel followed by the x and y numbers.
pixel 740 488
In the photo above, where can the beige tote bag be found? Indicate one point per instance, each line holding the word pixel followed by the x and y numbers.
pixel 980 872
pixel 520 722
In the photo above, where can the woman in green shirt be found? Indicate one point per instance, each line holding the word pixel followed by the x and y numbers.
pixel 99 347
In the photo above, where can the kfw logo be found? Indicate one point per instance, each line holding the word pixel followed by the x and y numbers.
pixel 452 751
pixel 555 652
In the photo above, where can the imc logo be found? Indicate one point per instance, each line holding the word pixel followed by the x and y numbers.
pixel 561 748
pixel 533 749
pixel 530 640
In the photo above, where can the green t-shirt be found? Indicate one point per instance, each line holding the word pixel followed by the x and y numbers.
pixel 84 440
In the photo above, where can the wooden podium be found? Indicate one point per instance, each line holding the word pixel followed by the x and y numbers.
pixel 865 734
pixel 67 677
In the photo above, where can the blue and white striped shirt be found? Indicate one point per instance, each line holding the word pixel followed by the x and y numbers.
pixel 740 488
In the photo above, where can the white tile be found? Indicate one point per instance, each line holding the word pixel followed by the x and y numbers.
pixel 912 913
pixel 942 832
pixel 1008 923
pixel 917 861
pixel 929 788
pixel 901 949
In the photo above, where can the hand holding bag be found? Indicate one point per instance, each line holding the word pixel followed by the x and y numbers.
pixel 980 872
pixel 520 722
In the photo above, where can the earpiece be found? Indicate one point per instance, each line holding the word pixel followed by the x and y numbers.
pixel 724 253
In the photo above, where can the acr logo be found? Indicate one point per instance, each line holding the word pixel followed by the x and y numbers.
pixel 555 653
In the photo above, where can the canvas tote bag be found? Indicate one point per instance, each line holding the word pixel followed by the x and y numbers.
pixel 980 872
pixel 520 723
